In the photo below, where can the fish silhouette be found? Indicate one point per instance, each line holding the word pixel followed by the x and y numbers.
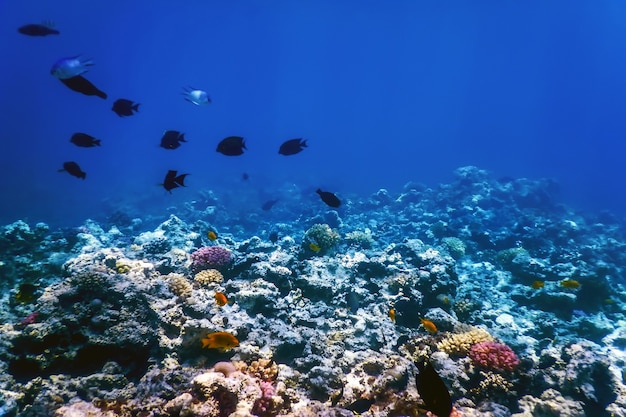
pixel 82 85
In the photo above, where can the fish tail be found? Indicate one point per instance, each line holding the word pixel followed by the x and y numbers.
pixel 136 107
pixel 96 142
pixel 102 94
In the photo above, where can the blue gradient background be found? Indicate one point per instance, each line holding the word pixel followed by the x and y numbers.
pixel 386 92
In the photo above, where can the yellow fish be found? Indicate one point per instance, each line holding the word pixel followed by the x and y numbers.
pixel 538 284
pixel 314 247
pixel 211 235
pixel 570 283
pixel 392 314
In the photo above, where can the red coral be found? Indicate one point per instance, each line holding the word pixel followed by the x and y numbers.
pixel 493 356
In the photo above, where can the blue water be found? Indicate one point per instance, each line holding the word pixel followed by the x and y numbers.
pixel 384 92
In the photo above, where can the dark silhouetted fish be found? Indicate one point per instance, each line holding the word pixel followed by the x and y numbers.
pixel 72 168
pixel 361 405
pixel 433 390
pixel 268 205
pixel 173 181
pixel 273 236
pixel 245 176
pixel 84 140
pixel 34 29
pixel 123 107
pixel 232 146
pixel 329 198
pixel 292 147
pixel 83 85
pixel 171 139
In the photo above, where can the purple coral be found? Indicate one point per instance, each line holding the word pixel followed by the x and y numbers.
pixel 264 406
pixel 493 356
pixel 210 257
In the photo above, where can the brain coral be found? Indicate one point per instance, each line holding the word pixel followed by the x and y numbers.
pixel 209 276
pixel 494 356
pixel 460 344
pixel 210 257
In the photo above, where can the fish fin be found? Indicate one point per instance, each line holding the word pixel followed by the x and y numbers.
pixel 96 142
pixel 136 107
pixel 102 94
pixel 181 138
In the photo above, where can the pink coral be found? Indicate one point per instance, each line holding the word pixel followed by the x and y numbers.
pixel 493 356
pixel 210 257
pixel 264 406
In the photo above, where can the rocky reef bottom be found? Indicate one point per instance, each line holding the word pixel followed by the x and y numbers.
pixel 517 302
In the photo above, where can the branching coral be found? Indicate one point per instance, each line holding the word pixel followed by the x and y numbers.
pixel 493 356
pixel 264 406
pixel 209 276
pixel 179 285
pixel 264 369
pixel 211 257
pixel 460 344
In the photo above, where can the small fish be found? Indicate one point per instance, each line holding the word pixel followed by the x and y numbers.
pixel 195 96
pixel 429 326
pixel 444 299
pixel 82 85
pixel 273 237
pixel 329 198
pixel 123 107
pixel 245 176
pixel 231 146
pixel 570 283
pixel 220 340
pixel 172 180
pixel 361 405
pixel 315 247
pixel 220 299
pixel 84 140
pixel 171 139
pixel 433 390
pixel 267 206
pixel 73 169
pixel 292 147
pixel 392 314
pixel 34 29
pixel 538 284
pixel 211 235
pixel 70 67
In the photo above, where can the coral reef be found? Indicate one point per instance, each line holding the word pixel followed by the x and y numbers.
pixel 113 322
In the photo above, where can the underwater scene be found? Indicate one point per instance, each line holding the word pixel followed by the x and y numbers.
pixel 312 208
